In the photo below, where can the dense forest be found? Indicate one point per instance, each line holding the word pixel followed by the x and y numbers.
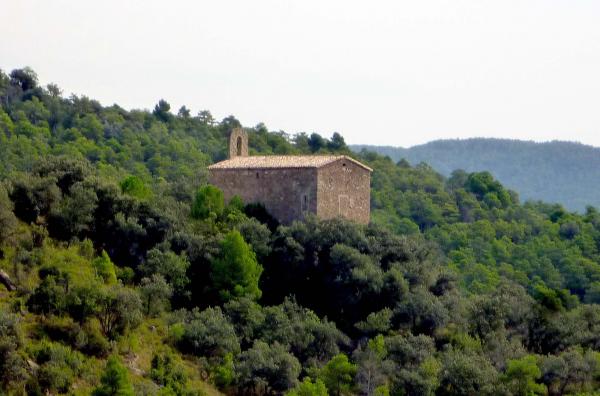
pixel 124 273
pixel 526 167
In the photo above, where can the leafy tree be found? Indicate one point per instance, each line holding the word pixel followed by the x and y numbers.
pixel 316 142
pixel 307 337
pixel 230 122
pixel 183 112
pixel 372 367
pixel 162 111
pixel 422 312
pixel 119 309
pixel 74 214
pixel 33 197
pixel 24 78
pixel 82 301
pixel 336 143
pixel 224 373
pixel 235 271
pixel 105 268
pixel 114 380
pixel 309 388
pixel 568 372
pixel 464 374
pixel 170 266
pixel 258 237
pixel 521 376
pixel 134 186
pixel 265 369
pixel 209 201
pixel 247 316
pixel 205 117
pixel 47 298
pixel 338 375
pixel 155 293
pixel 209 333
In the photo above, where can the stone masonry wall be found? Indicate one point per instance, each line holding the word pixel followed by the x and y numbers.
pixel 344 189
pixel 287 193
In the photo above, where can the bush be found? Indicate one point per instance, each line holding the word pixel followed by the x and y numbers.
pixel 114 381
pixel 59 366
pixel 168 372
pixel 12 365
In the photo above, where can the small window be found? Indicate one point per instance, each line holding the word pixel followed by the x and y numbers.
pixel 304 203
pixel 239 146
pixel 344 164
pixel 257 175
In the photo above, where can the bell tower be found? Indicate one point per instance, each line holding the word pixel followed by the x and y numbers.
pixel 238 143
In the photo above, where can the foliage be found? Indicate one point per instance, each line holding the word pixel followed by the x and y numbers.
pixel 58 366
pixel 309 388
pixel 454 288
pixel 265 369
pixel 114 381
pixel 235 271
pixel 12 365
pixel 209 201
pixel 135 186
pixel 8 221
pixel 209 333
pixel 105 268
pixel 155 293
pixel 338 375
pixel 522 374
pixel 169 373
pixel 119 310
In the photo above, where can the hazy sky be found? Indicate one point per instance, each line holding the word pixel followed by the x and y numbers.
pixel 379 72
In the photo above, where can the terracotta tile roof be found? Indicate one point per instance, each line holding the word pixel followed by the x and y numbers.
pixel 282 161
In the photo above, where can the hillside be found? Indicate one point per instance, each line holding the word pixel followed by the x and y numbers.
pixel 124 273
pixel 560 172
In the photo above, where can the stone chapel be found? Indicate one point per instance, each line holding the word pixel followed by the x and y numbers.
pixel 292 186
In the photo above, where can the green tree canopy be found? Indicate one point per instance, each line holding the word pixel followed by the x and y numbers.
pixel 209 200
pixel 235 271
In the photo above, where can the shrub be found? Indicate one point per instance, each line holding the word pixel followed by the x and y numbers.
pixel 114 380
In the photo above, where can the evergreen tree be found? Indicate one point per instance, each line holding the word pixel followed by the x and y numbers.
pixel 235 271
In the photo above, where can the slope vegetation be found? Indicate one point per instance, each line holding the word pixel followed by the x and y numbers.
pixel 124 273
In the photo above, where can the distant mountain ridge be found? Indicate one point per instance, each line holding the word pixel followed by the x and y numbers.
pixel 562 172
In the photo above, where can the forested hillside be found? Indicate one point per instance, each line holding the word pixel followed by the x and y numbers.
pixel 557 172
pixel 124 273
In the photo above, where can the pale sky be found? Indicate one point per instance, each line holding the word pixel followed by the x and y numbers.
pixel 379 72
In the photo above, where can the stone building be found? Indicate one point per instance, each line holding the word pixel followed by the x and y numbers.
pixel 291 186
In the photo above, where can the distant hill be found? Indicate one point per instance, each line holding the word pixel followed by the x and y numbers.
pixel 562 172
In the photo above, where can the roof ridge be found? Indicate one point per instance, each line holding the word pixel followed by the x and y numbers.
pixel 283 161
